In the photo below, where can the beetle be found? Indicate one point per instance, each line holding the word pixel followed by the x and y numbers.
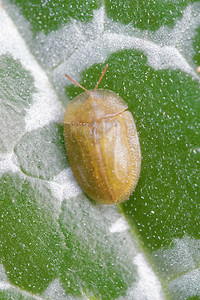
pixel 102 144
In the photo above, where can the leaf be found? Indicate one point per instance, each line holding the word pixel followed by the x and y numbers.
pixel 49 15
pixel 50 141
pixel 96 263
pixel 147 15
pixel 16 95
pixel 55 243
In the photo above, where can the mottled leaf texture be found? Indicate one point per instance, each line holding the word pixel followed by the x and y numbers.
pixel 55 242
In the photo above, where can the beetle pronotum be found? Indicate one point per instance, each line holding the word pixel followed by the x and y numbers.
pixel 102 144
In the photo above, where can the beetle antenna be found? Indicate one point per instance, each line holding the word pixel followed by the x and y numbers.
pixel 76 83
pixel 102 74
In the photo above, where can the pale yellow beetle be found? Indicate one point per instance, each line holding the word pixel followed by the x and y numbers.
pixel 102 144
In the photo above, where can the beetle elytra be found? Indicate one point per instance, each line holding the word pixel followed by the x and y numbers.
pixel 102 144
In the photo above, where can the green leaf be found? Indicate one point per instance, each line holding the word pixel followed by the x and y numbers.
pixel 36 146
pixel 13 295
pixel 16 95
pixel 97 264
pixel 56 243
pixel 197 47
pixel 30 240
pixel 146 15
pixel 50 15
